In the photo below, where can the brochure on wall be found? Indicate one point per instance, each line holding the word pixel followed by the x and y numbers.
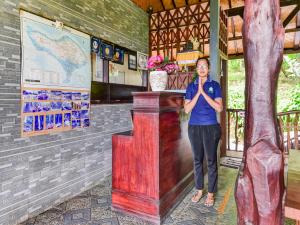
pixel 142 61
pixel 98 68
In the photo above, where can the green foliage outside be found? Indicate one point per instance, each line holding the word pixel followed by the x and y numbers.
pixel 288 92
pixel 236 84
pixel 294 101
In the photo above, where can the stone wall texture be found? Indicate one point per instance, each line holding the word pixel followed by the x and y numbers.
pixel 39 172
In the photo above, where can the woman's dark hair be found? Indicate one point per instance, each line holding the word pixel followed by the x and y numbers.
pixel 206 59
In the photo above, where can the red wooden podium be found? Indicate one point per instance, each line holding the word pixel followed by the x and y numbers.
pixel 152 166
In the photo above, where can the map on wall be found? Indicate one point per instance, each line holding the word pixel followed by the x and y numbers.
pixel 56 77
pixel 52 56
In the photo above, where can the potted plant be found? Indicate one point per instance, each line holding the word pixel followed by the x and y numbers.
pixel 159 69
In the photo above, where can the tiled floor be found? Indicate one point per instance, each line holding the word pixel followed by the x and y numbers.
pixel 93 208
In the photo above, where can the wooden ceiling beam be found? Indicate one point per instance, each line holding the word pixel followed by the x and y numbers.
pixel 297 41
pixel 162 4
pixel 235 38
pixel 285 51
pixel 291 51
pixel 235 42
pixel 292 30
pixel 186 2
pixel 297 29
pixel 174 4
pixel 297 34
pixel 229 4
pixel 239 11
pixel 291 16
pixel 236 56
pixel 288 2
pixel 233 28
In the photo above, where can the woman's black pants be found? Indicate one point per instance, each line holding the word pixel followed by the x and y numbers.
pixel 204 141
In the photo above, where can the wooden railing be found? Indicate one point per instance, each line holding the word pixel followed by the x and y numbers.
pixel 288 122
pixel 290 126
pixel 235 129
pixel 179 81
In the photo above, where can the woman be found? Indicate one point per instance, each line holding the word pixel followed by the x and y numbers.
pixel 203 99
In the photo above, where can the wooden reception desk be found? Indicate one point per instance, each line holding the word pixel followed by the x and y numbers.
pixel 152 166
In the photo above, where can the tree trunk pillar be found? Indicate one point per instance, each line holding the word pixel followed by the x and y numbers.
pixel 260 184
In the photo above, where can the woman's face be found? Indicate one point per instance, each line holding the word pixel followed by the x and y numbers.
pixel 202 68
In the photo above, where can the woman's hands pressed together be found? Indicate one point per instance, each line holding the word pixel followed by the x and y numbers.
pixel 190 104
pixel 214 103
pixel 200 86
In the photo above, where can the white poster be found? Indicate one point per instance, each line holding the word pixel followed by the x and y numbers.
pixel 142 60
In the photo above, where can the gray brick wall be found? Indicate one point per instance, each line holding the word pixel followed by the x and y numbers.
pixel 39 172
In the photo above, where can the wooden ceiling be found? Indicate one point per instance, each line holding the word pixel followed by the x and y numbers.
pixel 290 16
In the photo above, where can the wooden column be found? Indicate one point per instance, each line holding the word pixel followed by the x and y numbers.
pixel 214 55
pixel 215 59
pixel 260 184
pixel 224 86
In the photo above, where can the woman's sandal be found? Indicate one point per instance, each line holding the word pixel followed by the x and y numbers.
pixel 196 197
pixel 210 201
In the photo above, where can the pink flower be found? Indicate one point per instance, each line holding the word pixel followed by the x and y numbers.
pixel 150 64
pixel 156 59
pixel 171 68
pixel 158 63
pixel 159 59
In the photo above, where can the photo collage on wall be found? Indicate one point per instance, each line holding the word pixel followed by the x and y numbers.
pixel 47 110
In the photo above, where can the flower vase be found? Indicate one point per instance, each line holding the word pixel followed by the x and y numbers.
pixel 158 80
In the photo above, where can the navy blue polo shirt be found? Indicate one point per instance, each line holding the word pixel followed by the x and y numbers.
pixel 203 113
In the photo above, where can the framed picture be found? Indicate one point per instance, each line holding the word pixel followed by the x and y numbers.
pixel 97 68
pixel 132 61
pixel 118 55
pixel 95 45
pixel 107 51
pixel 142 61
